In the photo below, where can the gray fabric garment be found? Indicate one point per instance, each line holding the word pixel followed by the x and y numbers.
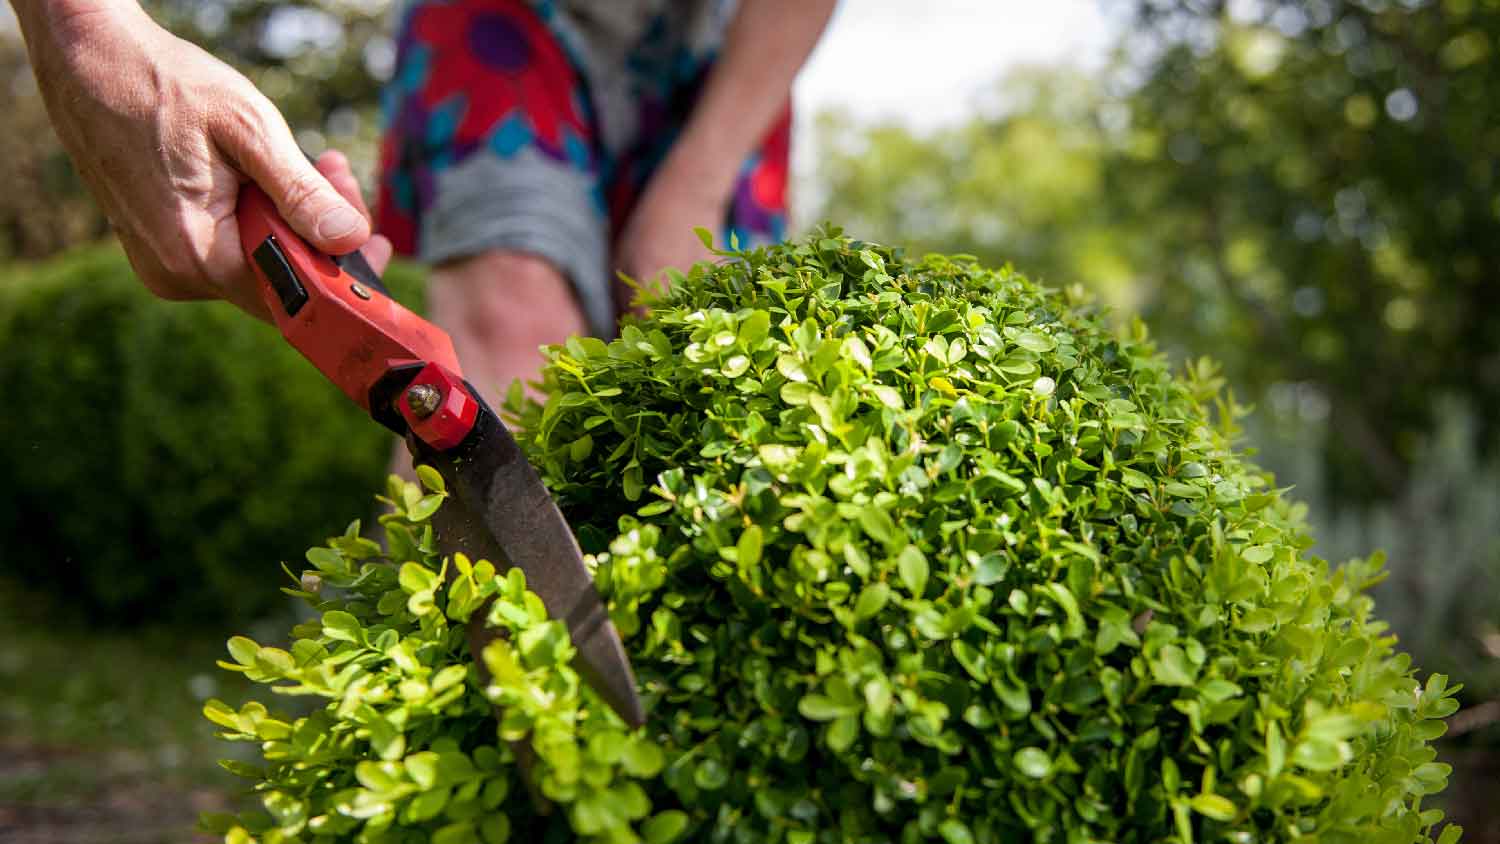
pixel 529 204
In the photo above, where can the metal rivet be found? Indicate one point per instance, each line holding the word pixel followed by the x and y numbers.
pixel 359 290
pixel 424 400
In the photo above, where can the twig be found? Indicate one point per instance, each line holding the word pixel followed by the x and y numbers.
pixel 1474 718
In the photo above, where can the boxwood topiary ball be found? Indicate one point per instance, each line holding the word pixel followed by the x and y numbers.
pixel 901 551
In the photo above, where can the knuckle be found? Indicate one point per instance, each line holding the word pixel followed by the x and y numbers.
pixel 239 122
pixel 300 194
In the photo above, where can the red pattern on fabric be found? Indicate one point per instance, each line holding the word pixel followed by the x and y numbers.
pixel 543 90
pixel 768 180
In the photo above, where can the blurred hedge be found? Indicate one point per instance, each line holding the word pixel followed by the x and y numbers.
pixel 161 458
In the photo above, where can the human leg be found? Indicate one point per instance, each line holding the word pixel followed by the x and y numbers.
pixel 488 174
pixel 500 306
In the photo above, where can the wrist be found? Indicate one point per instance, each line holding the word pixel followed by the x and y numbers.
pixel 697 168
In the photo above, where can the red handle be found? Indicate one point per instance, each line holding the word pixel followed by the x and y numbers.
pixel 353 334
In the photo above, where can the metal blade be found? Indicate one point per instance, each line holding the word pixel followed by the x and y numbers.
pixel 500 511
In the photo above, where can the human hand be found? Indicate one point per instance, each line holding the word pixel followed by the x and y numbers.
pixel 659 233
pixel 164 135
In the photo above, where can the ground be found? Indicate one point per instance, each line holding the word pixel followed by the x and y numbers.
pixel 101 732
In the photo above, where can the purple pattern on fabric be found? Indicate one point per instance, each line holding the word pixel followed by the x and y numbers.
pixel 498 42
pixel 747 214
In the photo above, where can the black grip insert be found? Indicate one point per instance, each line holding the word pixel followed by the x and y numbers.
pixel 278 270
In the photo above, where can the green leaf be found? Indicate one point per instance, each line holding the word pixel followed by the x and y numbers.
pixel 754 329
pixel 1172 668
pixel 423 509
pixel 431 479
pixel 341 626
pixel 664 827
pixel 413 577
pixel 877 524
pixel 1035 341
pixel 842 733
pixel 1257 554
pixel 643 759
pixel 455 833
pixel 494 828
pixel 1215 807
pixel 888 396
pixel 955 831
pixel 749 547
pixel 1315 754
pixel 243 650
pixel 817 707
pixel 220 713
pixel 1275 750
pixel 912 565
pixel 710 775
pixel 1033 762
pixel 872 599
pixel 422 768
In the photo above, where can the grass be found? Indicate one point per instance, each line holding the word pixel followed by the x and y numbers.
pixel 101 733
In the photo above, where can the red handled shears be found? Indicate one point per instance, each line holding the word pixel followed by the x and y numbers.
pixel 402 370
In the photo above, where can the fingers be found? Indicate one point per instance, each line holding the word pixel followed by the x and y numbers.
pixel 334 166
pixel 263 148
pixel 177 286
pixel 378 253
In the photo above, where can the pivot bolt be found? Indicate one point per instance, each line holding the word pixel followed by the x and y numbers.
pixel 424 400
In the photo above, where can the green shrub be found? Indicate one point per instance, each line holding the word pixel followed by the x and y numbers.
pixel 902 551
pixel 161 458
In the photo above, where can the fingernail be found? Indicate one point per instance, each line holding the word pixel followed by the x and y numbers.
pixel 337 222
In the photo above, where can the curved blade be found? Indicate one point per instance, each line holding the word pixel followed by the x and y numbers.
pixel 499 510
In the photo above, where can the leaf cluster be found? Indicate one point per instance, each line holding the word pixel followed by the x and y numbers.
pixel 900 550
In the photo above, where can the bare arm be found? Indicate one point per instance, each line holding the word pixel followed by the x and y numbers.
pixel 164 134
pixel 767 43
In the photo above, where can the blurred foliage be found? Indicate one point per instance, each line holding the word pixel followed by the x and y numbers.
pixel 1308 190
pixel 321 61
pixel 142 488
pixel 1325 174
pixel 43 208
pixel 1449 578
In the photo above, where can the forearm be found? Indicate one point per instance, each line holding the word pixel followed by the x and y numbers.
pixel 766 45
pixel 51 27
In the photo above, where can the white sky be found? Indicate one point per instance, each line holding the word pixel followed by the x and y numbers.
pixel 928 63
pixel 924 61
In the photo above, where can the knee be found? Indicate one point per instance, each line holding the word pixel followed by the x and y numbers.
pixel 505 298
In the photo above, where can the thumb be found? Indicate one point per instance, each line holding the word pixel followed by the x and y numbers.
pixel 306 199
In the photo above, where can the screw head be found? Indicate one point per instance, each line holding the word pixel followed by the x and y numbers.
pixel 359 290
pixel 424 400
